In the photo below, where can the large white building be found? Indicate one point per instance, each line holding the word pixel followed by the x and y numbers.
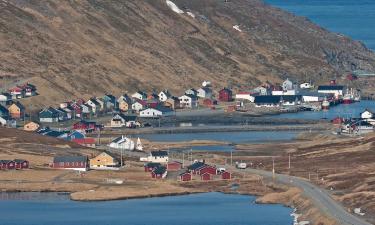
pixel 122 143
pixel 336 90
pixel 156 112
pixel 245 96
pixel 156 157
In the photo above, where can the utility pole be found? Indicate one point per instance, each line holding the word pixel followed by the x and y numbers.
pixel 273 167
pixel 289 162
pixel 231 157
pixel 122 163
pixel 183 159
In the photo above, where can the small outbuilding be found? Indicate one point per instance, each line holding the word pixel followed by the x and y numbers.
pixel 21 164
pixel 159 173
pixel 186 176
pixel 149 167
pixel 174 166
pixel 206 176
pixel 226 175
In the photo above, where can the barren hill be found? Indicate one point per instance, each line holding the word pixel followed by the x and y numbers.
pixel 80 48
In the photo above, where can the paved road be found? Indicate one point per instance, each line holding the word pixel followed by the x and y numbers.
pixel 320 197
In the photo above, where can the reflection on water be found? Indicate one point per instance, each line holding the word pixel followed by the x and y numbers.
pixel 197 209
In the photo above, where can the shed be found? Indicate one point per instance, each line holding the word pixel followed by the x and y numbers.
pixel 159 172
pixel 186 176
pixel 206 176
pixel 226 175
pixel 7 164
pixel 21 164
pixel 174 166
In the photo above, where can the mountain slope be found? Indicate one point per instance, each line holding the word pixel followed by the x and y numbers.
pixel 81 48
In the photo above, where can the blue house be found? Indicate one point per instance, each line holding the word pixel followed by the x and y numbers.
pixel 75 135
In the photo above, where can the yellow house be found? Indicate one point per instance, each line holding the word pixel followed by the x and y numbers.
pixel 16 110
pixel 104 160
pixel 31 126
pixel 123 106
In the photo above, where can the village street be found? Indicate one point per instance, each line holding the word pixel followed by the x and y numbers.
pixel 319 196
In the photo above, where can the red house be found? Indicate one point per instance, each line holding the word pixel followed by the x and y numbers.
pixel 194 168
pixel 206 176
pixel 77 110
pixel 149 167
pixel 86 126
pixel 207 169
pixel 174 166
pixel 225 95
pixel 7 164
pixel 159 173
pixel 21 164
pixel 70 162
pixel 226 175
pixel 87 142
pixel 185 176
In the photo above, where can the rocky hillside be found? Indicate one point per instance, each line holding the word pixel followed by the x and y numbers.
pixel 81 48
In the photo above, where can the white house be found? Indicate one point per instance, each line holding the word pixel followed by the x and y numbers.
pixel 245 96
pixel 188 101
pixel 156 157
pixel 139 95
pixel 204 92
pixel 164 95
pixel 122 143
pixel 156 112
pixel 138 105
pixel 101 103
pixel 86 108
pixel 95 106
pixel 121 120
pixel 306 86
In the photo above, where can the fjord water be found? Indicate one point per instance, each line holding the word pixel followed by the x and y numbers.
pixel 196 209
pixel 353 18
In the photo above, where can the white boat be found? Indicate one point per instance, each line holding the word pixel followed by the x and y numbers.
pixel 139 146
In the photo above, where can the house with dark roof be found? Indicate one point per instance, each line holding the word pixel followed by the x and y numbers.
pixel 122 120
pixel 7 164
pixel 49 115
pixel 140 95
pixel 156 157
pixel 149 167
pixel 336 90
pixel 159 172
pixel 156 112
pixel 70 162
pixel 267 101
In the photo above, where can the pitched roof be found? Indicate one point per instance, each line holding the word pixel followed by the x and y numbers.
pixel 159 153
pixel 20 160
pixel 159 170
pixel 152 165
pixel 58 159
pixel 196 165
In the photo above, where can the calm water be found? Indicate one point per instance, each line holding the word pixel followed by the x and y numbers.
pixel 198 209
pixel 232 137
pixel 354 18
pixel 346 111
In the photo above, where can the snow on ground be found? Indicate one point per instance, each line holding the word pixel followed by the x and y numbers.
pixel 191 14
pixel 174 7
pixel 237 27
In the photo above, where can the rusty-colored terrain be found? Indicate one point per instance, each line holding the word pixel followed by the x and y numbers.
pixel 90 47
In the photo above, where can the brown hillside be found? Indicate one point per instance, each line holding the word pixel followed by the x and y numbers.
pixel 81 48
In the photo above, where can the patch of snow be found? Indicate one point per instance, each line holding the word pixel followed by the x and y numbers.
pixel 237 28
pixel 174 7
pixel 191 14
